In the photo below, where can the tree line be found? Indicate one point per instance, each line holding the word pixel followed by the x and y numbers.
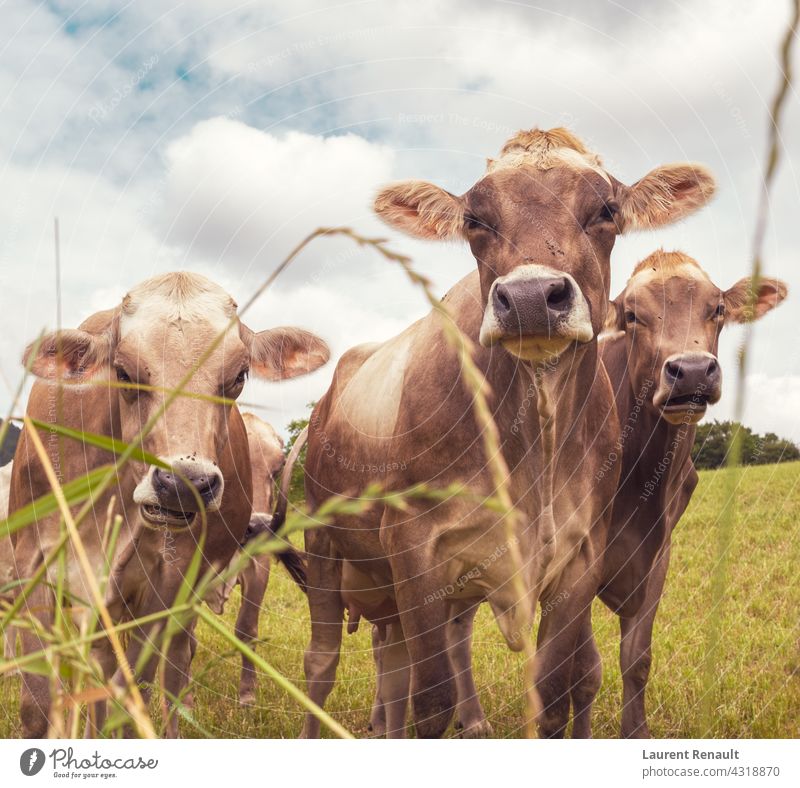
pixel 712 443
pixel 710 449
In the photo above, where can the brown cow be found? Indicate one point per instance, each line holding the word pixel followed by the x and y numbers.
pixel 662 361
pixel 660 351
pixel 541 224
pixel 267 461
pixel 155 337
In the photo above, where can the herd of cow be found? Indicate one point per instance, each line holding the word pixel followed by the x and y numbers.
pixel 595 402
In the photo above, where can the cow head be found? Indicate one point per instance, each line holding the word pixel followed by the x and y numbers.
pixel 266 460
pixel 541 224
pixel 672 315
pixel 159 334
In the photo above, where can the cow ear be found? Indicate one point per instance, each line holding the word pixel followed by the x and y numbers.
pixel 281 353
pixel 71 355
pixel 615 317
pixel 421 209
pixel 742 305
pixel 666 195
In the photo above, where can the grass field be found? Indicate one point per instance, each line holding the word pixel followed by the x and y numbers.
pixel 758 683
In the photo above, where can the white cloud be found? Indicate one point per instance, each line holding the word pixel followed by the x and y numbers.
pixel 772 404
pixel 245 197
pixel 324 103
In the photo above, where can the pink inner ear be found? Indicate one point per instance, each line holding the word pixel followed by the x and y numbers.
pixel 768 297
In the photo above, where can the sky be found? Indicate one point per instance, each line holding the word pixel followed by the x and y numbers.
pixel 212 136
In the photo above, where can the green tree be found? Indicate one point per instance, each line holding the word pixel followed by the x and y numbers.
pixel 713 441
pixel 294 428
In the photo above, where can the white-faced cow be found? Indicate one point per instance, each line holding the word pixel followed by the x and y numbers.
pixel 155 337
pixel 266 460
pixel 541 224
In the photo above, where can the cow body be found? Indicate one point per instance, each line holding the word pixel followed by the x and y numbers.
pixel 663 380
pixel 400 414
pixel 661 358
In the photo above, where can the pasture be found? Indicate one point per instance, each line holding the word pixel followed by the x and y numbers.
pixel 757 690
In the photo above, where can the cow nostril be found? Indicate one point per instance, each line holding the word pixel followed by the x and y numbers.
pixel 208 486
pixel 501 298
pixel 162 478
pixel 558 292
pixel 713 366
pixel 673 369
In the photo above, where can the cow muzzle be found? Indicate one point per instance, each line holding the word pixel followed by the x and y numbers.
pixel 536 312
pixel 175 497
pixel 689 383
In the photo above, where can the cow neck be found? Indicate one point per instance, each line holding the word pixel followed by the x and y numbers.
pixel 558 388
pixel 659 454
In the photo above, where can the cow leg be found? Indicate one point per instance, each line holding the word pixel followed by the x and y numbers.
pixel 471 722
pixel 35 701
pixel 96 717
pixel 144 678
pixel 176 677
pixel 377 717
pixel 396 677
pixel 563 613
pixel 253 581
pixel 587 674
pixel 635 652
pixel 327 617
pixel 188 696
pixel 433 689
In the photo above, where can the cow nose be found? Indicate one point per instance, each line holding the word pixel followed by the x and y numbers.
pixel 181 489
pixel 692 373
pixel 532 306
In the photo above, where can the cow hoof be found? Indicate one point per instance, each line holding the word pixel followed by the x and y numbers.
pixel 377 730
pixel 480 729
pixel 247 699
pixel 642 732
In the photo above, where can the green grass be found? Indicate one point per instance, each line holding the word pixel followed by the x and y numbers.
pixel 758 689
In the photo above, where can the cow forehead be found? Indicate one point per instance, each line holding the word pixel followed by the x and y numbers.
pixel 656 280
pixel 547 159
pixel 687 291
pixel 181 298
pixel 525 191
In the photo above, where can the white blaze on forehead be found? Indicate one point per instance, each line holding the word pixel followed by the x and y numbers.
pixel 182 296
pixel 661 266
pixel 545 150
pixel 660 274
pixel 565 157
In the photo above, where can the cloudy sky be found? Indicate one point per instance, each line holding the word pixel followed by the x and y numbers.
pixel 212 136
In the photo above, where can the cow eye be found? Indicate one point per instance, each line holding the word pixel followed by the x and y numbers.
pixel 242 377
pixel 630 317
pixel 122 375
pixel 607 214
pixel 473 223
pixel 719 311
